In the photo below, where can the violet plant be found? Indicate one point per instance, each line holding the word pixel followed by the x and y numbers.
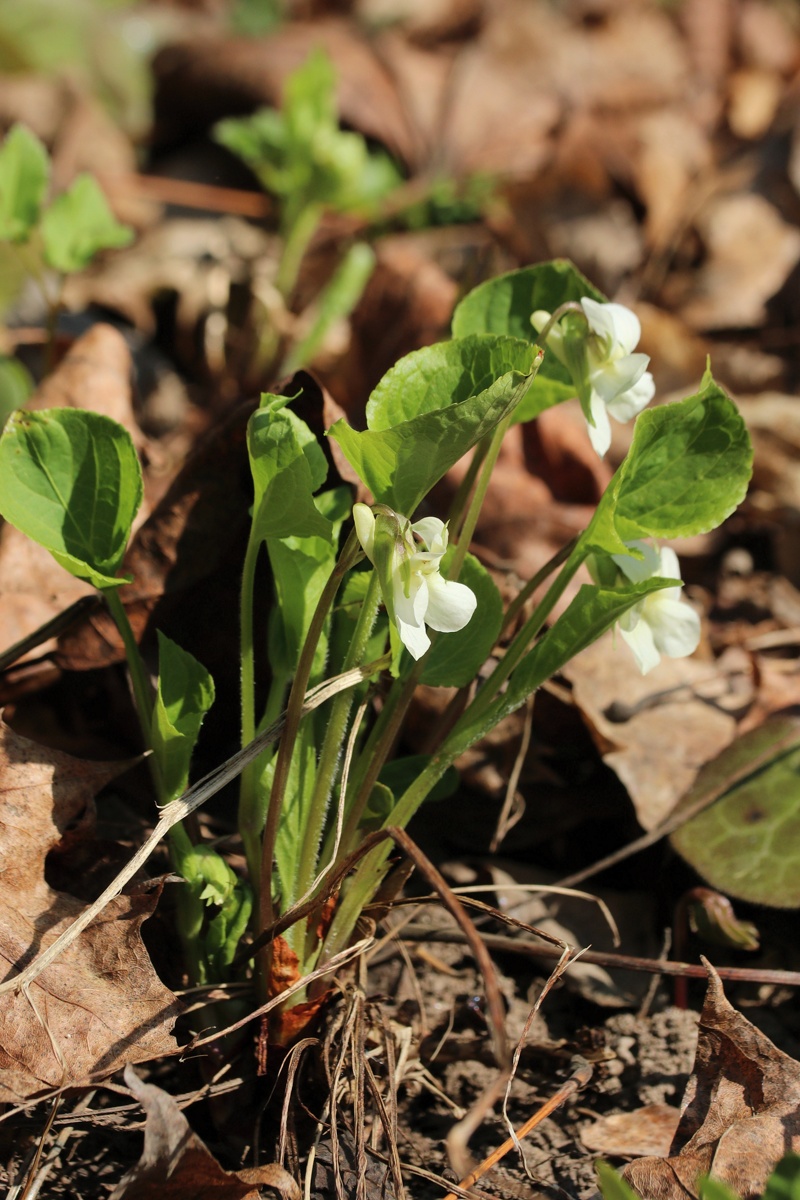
pixel 391 588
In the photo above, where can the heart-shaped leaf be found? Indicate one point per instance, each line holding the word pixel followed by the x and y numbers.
pixel 78 224
pixel 71 481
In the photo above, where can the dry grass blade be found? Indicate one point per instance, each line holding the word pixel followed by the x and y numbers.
pixel 579 1079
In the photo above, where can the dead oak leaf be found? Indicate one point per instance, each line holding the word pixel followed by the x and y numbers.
pixel 100 1004
pixel 740 1114
pixel 176 1165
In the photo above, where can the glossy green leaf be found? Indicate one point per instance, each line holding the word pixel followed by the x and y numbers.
pixel 185 694
pixel 686 471
pixel 402 464
pixel 446 373
pixel 504 306
pixel 71 481
pixel 747 842
pixel 593 611
pixel 78 224
pixel 455 658
pixel 24 175
pixel 287 466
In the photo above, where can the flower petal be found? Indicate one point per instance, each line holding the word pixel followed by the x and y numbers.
pixel 641 641
pixel 411 608
pixel 364 521
pixel 600 432
pixel 433 533
pixel 613 321
pixel 631 402
pixel 612 378
pixel 413 637
pixel 675 626
pixel 637 570
pixel 450 604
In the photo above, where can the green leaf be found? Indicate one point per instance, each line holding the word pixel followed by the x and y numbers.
pixel 24 175
pixel 612 1185
pixel 288 466
pixel 747 843
pixel 78 224
pixel 402 464
pixel 593 611
pixel 300 569
pixel 686 471
pixel 784 1182
pixel 338 299
pixel 16 386
pixel 504 306
pixel 184 696
pixel 71 481
pixel 446 373
pixel 455 658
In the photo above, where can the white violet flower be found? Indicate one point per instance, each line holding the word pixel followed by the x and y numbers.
pixel 661 623
pixel 415 593
pixel 615 379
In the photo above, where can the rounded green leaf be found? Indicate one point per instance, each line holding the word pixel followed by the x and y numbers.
pixel 455 658
pixel 78 224
pixel 24 173
pixel 71 481
pixel 446 373
pixel 687 469
pixel 505 304
pixel 401 465
pixel 747 843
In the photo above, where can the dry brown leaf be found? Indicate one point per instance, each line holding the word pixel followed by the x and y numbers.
pixel 662 733
pixel 740 1113
pixel 648 1130
pixel 751 251
pixel 176 1165
pixel 100 1005
pixel 94 374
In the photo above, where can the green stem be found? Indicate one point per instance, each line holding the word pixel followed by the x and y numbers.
pixel 296 239
pixel 142 690
pixel 367 876
pixel 190 910
pixel 536 581
pixel 332 745
pixel 249 824
pixel 476 503
pixel 294 712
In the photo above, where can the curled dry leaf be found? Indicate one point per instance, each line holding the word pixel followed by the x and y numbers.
pixel 647 1130
pixel 740 1113
pixel 100 1004
pixel 176 1165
